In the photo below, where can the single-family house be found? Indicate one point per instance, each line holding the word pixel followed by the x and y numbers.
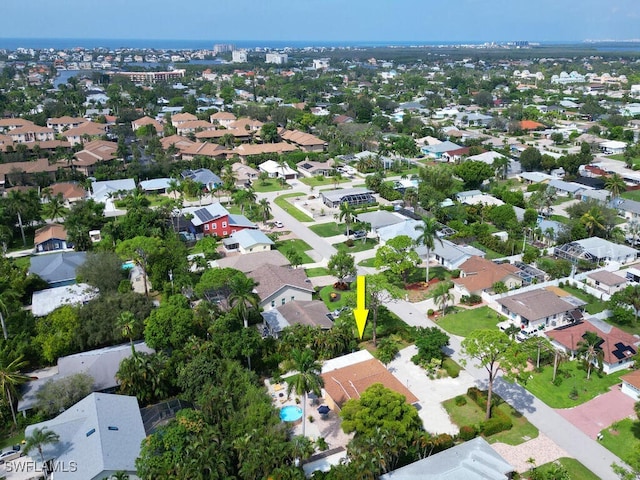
pixel 248 241
pixel 530 125
pixel 449 254
pixel 311 168
pixel 600 196
pixel 618 347
pixel 279 285
pixel 93 153
pixel 215 220
pixel 606 281
pixel 144 121
pixel 204 176
pixel 629 209
pixel 155 185
pixel 380 219
pixel 101 364
pixel 438 150
pixel 567 189
pixel 108 190
pixel 99 436
pixel 613 147
pixel 348 376
pixel 353 196
pixel 251 261
pixel 535 177
pixel 540 308
pixel 479 275
pixel 471 460
pixel 244 174
pixel 305 141
pixel 313 313
pixel 43 302
pixel 203 149
pixel 407 227
pixel 51 238
pixel 596 250
pixel 57 269
pixel 71 192
pixel 276 170
pixel 631 384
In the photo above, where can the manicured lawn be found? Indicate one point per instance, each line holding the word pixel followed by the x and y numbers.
pixel 358 246
pixel 631 195
pixel 345 297
pixel 12 440
pixel 321 181
pixel 559 218
pixel 282 202
pixel 593 306
pixel 574 468
pixel 388 324
pixel 22 261
pixel 467 321
pixel 368 262
pixel 330 229
pixel 269 186
pixel 472 414
pixel 298 245
pixel 572 375
pixel 622 438
pixel 317 272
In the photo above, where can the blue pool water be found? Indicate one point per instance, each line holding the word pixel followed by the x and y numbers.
pixel 127 265
pixel 290 413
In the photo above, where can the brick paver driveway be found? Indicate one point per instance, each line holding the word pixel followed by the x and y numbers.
pixel 599 413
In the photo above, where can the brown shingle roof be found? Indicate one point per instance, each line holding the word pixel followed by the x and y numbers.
pixel 222 116
pixel 614 341
pixel 313 313
pixel 88 128
pixel 607 278
pixel 301 138
pixel 248 150
pixel 482 274
pixel 68 190
pixel 271 278
pixel 349 382
pixel 49 232
pixel 40 165
pixel 178 141
pixel 632 378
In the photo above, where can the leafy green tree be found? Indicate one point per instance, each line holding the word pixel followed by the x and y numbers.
pixel 473 173
pixel 84 216
pixel 170 325
pixel 388 348
pixel 145 376
pixel 269 133
pixel 398 255
pixel 531 159
pixel 143 251
pixel 379 292
pixel 427 239
pixel 56 396
pixel 306 379
pixel 430 341
pixel 38 438
pixel 102 270
pixel 56 332
pixel 380 407
pixel 494 351
pixel 342 265
pixel 214 279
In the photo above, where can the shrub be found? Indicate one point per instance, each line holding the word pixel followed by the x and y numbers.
pixel 452 368
pixel 430 312
pixel 496 424
pixel 467 432
pixel 442 442
pixel 460 400
pixel 455 273
pixel 349 243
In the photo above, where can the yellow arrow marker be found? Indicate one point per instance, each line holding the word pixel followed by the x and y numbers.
pixel 360 313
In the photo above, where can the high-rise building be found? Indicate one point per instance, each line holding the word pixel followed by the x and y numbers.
pixel 277 58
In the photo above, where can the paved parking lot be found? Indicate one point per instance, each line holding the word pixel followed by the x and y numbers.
pixel 599 413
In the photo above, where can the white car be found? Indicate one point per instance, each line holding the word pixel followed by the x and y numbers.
pixel 8 456
pixel 278 224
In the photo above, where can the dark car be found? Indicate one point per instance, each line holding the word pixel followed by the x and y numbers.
pixel 359 234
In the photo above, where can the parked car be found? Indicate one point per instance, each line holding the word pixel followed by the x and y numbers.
pixel 359 234
pixel 9 455
pixel 278 224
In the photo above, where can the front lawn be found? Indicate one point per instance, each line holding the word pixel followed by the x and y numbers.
pixel 572 378
pixel 467 321
pixel 388 324
pixel 320 181
pixel 317 272
pixel 283 203
pixel 296 244
pixel 593 306
pixel 631 195
pixel 574 468
pixel 471 414
pixel 330 229
pixel 344 297
pixel 14 439
pixel 269 186
pixel 358 246
pixel 368 262
pixel 622 439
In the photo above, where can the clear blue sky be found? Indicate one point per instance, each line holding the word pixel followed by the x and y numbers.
pixel 326 20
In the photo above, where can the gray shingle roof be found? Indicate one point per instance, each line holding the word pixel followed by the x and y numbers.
pixel 298 312
pixel 57 267
pixel 272 278
pixel 101 433
pixel 248 238
pixel 536 304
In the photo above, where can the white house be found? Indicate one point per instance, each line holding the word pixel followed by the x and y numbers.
pixel 248 241
pixel 279 285
pixel 275 170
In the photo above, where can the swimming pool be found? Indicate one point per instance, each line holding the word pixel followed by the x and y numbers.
pixel 290 413
pixel 128 265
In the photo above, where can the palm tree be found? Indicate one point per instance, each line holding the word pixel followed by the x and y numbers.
pixel 119 476
pixel 592 220
pixel 242 299
pixel 15 206
pixel 40 437
pixel 347 215
pixel 307 379
pixel 128 323
pixel 633 228
pixel 589 350
pixel 5 297
pixel 559 356
pixel 427 238
pixel 228 178
pixel 336 177
pixel 615 184
pixel 174 187
pixel 54 208
pixel 265 210
pixel 10 378
pixel 501 165
pixel 442 296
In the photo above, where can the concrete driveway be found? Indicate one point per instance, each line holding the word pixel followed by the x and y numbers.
pixel 601 412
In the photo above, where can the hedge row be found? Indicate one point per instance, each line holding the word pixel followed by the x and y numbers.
pixel 499 422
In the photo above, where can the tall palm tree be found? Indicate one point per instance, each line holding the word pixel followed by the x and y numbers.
pixel 615 184
pixel 242 299
pixel 6 297
pixel 307 379
pixel 265 210
pixel 501 165
pixel 54 208
pixel 589 350
pixel 442 296
pixel 593 221
pixel 40 437
pixel 128 323
pixel 427 238
pixel 15 206
pixel 346 214
pixel 10 378
pixel 174 187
